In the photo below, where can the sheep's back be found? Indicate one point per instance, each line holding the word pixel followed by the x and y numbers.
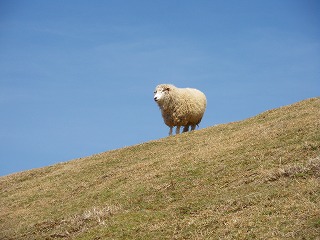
pixel 190 107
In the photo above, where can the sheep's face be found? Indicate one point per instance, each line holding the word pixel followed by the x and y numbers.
pixel 160 92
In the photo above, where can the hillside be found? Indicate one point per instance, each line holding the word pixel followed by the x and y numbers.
pixel 254 179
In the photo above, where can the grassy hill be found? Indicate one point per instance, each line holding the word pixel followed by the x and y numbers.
pixel 254 179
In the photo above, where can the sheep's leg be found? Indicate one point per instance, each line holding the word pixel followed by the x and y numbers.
pixel 178 130
pixel 170 132
pixel 186 128
pixel 193 127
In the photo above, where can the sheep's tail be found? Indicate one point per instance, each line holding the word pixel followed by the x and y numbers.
pixel 199 123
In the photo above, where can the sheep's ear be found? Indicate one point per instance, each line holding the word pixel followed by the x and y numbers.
pixel 167 89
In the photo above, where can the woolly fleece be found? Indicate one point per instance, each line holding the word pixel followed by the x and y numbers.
pixel 181 106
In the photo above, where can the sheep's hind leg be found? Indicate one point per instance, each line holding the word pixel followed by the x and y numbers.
pixel 193 127
pixel 186 128
pixel 178 130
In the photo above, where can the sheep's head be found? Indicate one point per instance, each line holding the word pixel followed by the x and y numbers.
pixel 161 91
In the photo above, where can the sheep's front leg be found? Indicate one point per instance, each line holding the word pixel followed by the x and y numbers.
pixel 178 130
pixel 170 132
pixel 193 127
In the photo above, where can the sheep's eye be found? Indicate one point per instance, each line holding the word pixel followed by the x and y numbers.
pixel 155 92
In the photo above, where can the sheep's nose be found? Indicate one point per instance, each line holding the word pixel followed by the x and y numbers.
pixel 155 98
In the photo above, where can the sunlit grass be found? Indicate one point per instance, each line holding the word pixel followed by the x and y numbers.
pixel 254 179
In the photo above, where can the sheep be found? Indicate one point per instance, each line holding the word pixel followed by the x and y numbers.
pixel 180 106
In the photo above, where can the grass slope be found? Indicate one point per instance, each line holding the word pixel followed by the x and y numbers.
pixel 254 179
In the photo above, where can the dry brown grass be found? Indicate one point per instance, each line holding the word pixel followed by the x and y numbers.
pixel 311 168
pixel 254 179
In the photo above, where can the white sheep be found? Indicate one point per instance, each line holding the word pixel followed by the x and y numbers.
pixel 180 106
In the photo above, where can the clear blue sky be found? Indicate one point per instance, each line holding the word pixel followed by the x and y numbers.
pixel 77 77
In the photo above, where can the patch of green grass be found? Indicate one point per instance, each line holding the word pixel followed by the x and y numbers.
pixel 316 223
